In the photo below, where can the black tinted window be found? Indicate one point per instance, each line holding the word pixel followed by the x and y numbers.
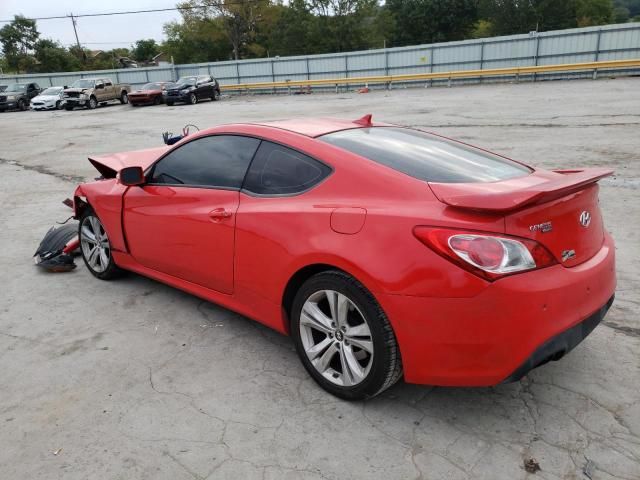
pixel 426 157
pixel 278 170
pixel 216 161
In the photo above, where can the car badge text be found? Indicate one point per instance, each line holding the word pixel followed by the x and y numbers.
pixel 568 255
pixel 541 227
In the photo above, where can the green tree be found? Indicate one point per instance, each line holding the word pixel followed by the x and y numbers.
pixel 18 39
pixel 428 21
pixel 53 57
pixel 145 50
pixel 594 12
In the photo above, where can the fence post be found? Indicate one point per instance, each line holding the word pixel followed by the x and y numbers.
pixel 597 54
pixel 535 58
pixel 308 70
pixel 237 72
pixel 481 58
pixel 146 74
pixel 431 65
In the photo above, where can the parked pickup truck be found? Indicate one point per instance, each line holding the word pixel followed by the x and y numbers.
pixel 89 92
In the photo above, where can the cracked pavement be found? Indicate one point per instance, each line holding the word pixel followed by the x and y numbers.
pixel 132 379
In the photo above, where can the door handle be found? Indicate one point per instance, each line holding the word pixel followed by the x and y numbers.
pixel 219 214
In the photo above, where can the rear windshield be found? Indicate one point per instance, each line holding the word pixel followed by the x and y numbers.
pixel 425 156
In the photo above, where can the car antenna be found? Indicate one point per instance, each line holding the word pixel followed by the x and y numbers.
pixel 364 121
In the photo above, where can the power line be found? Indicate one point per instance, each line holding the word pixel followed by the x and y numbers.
pixel 133 12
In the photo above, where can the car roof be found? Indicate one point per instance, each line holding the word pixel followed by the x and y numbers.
pixel 315 127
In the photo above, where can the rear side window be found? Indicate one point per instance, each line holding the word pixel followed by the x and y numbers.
pixel 216 161
pixel 426 157
pixel 278 170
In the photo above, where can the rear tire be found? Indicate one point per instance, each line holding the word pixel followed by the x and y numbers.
pixel 169 104
pixel 96 247
pixel 193 99
pixel 124 98
pixel 68 108
pixel 157 101
pixel 349 349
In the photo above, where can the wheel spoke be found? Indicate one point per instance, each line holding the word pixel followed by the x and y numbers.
pixel 313 317
pixel 88 235
pixel 366 345
pixel 93 257
pixel 104 258
pixel 319 348
pixel 339 305
pixel 351 369
pixel 322 362
pixel 95 226
pixel 361 330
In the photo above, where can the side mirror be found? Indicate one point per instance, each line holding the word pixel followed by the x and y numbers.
pixel 132 176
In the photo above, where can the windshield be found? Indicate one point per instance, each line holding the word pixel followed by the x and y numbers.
pixel 425 156
pixel 52 91
pixel 187 81
pixel 83 84
pixel 16 87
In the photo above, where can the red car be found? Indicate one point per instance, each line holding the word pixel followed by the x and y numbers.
pixel 383 251
pixel 149 94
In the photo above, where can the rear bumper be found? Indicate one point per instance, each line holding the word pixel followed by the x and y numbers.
pixel 507 329
pixel 557 347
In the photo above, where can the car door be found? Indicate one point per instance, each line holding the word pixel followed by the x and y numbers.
pixel 182 221
pixel 109 90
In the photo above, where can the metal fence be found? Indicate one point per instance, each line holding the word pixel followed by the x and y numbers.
pixel 610 42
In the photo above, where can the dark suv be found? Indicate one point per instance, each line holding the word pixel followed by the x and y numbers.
pixel 192 89
pixel 18 95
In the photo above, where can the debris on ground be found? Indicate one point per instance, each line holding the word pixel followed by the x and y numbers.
pixel 56 250
pixel 588 469
pixel 531 465
pixel 57 452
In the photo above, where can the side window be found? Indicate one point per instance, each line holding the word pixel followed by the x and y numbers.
pixel 108 83
pixel 215 161
pixel 278 170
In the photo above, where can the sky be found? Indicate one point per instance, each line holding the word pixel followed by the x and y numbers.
pixel 95 33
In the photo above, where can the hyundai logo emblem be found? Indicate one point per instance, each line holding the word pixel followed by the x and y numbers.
pixel 585 219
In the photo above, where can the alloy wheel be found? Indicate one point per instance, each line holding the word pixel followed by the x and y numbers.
pixel 95 244
pixel 336 338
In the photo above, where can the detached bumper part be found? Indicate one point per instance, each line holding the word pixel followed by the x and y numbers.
pixel 558 346
pixel 55 252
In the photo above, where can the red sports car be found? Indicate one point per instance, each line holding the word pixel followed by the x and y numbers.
pixel 149 94
pixel 382 250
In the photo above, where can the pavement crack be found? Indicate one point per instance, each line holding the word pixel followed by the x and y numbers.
pixel 44 170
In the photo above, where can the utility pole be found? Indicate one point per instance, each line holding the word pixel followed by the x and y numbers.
pixel 73 22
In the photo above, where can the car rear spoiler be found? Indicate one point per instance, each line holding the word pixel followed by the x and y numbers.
pixel 515 193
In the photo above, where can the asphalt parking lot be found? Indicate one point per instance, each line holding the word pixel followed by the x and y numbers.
pixel 135 380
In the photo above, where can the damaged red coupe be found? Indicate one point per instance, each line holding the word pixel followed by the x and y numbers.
pixel 383 251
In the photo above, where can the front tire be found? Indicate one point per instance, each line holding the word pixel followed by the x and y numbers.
pixel 216 95
pixel 93 103
pixel 68 108
pixel 96 247
pixel 22 106
pixel 343 337
pixel 169 104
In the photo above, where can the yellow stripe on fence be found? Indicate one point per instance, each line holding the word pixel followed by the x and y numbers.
pixel 389 79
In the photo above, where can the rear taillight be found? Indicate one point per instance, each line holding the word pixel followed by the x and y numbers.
pixel 488 256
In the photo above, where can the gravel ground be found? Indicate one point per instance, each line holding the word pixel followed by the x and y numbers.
pixel 134 380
